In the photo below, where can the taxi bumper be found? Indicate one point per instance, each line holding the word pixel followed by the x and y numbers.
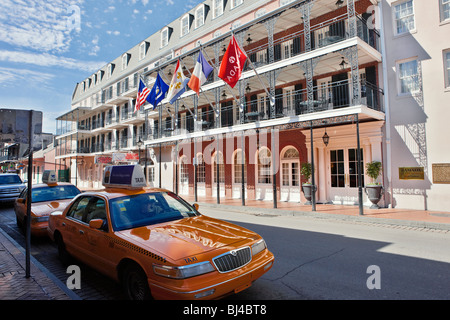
pixel 223 287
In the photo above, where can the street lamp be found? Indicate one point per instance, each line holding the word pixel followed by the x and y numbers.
pixel 326 138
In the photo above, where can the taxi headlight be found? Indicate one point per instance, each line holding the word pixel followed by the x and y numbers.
pixel 183 272
pixel 258 247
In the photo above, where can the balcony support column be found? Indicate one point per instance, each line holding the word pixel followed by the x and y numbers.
pixel 270 26
pixel 351 54
pixel 271 77
pixel 308 67
pixel 351 14
pixel 305 11
pixel 242 85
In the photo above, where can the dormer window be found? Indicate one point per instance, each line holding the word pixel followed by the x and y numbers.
pixel 200 16
pixel 143 48
pixel 125 60
pixel 164 37
pixel 185 24
pixel 217 8
pixel 109 70
pixel 236 3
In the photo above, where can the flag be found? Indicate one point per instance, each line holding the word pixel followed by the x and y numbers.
pixel 158 92
pixel 232 63
pixel 142 95
pixel 201 72
pixel 177 85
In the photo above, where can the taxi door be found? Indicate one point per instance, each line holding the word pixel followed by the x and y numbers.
pixel 92 244
pixel 20 207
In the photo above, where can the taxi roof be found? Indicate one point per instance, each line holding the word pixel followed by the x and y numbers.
pixel 39 185
pixel 115 192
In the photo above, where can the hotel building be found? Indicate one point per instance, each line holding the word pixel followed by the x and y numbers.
pixel 325 83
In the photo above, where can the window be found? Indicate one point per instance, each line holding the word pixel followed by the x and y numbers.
pixel 200 169
pixel 260 13
pixel 164 37
pixel 235 3
pixel 200 16
pixel 185 25
pixel 404 17
pixel 143 47
pixel 445 10
pixel 109 71
pixel 237 164
pixel 125 60
pixel 408 77
pixel 217 8
pixel 264 166
pixel 447 68
pixel 221 168
pixel 184 170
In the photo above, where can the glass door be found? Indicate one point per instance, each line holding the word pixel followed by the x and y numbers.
pixel 343 175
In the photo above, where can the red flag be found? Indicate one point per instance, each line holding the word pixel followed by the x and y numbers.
pixel 232 63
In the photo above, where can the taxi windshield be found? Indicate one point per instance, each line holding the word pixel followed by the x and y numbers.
pixel 147 209
pixel 10 179
pixel 51 193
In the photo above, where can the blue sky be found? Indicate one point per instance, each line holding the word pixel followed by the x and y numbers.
pixel 46 47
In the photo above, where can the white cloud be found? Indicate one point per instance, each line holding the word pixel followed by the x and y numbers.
pixel 39 24
pixel 114 33
pixel 49 60
pixel 10 77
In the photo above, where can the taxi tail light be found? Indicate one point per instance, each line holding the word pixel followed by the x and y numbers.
pixel 183 272
pixel 258 247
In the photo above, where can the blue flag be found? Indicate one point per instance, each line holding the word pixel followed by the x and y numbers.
pixel 158 92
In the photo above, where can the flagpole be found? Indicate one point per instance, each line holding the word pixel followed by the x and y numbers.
pixel 215 110
pixel 271 99
pixel 229 87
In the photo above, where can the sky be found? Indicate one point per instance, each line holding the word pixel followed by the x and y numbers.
pixel 48 46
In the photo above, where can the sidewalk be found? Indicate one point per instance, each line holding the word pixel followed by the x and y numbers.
pixel 42 285
pixel 413 218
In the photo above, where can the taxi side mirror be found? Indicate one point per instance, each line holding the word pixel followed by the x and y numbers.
pixel 196 206
pixel 96 224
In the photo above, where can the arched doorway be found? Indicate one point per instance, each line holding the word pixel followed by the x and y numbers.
pixel 290 175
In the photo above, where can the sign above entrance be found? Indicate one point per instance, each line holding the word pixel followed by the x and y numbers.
pixel 120 157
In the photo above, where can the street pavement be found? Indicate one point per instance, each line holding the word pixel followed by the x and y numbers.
pixel 42 285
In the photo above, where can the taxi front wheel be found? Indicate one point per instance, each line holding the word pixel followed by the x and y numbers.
pixel 135 283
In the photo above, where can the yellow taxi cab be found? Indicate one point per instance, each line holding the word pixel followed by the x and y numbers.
pixel 46 197
pixel 155 243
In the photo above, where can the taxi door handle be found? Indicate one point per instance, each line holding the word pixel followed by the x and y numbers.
pixel 63 224
pixel 81 231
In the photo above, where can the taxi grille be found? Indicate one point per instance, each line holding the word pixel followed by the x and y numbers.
pixel 233 260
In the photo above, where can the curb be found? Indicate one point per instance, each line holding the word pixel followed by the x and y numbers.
pixel 330 216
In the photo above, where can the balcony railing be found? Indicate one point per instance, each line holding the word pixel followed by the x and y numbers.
pixel 330 96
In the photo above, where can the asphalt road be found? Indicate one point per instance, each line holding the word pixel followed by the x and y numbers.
pixel 315 259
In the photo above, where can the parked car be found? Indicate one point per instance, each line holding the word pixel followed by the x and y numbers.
pixel 10 187
pixel 46 197
pixel 155 243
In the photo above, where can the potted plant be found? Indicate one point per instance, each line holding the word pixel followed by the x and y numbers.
pixel 307 187
pixel 374 189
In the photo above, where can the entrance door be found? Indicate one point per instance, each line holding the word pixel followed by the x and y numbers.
pixel 343 176
pixel 290 176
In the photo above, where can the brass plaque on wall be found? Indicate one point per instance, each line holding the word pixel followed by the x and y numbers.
pixel 441 173
pixel 411 173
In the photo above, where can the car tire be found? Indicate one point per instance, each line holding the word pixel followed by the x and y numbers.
pixel 135 283
pixel 63 255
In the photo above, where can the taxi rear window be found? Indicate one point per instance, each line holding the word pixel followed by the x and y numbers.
pixel 52 193
pixel 147 209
